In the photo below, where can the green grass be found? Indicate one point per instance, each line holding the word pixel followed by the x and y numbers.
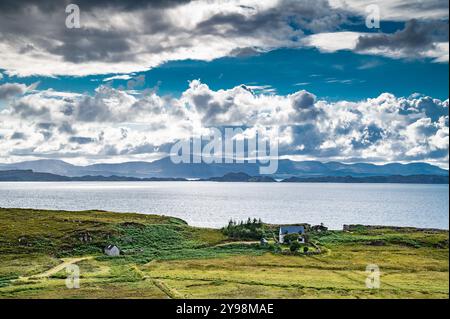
pixel 163 257
pixel 384 237
pixel 59 233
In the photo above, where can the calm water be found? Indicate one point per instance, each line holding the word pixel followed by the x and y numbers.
pixel 213 204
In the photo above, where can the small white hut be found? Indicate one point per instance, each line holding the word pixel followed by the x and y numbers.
pixel 112 251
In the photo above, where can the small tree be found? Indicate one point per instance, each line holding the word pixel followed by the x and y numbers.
pixel 290 238
pixel 305 249
pixel 295 245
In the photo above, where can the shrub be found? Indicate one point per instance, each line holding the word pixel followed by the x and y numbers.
pixel 295 245
pixel 290 238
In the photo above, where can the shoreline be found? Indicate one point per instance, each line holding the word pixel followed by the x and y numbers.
pixel 220 182
pixel 344 227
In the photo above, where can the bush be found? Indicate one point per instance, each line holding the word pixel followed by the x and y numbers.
pixel 295 245
pixel 277 249
pixel 305 249
pixel 290 238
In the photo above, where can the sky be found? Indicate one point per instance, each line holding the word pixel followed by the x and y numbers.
pixel 137 76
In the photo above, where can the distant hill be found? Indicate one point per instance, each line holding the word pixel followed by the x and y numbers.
pixel 242 177
pixel 30 176
pixel 164 168
pixel 410 179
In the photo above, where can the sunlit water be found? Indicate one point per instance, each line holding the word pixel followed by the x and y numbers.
pixel 210 204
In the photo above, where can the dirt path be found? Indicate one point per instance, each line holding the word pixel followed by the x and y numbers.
pixel 56 269
pixel 171 293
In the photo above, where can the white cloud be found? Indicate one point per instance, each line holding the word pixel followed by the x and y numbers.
pixel 333 41
pixel 113 125
pixel 337 41
pixel 118 77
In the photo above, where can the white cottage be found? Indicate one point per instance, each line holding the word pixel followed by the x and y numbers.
pixel 112 251
pixel 286 230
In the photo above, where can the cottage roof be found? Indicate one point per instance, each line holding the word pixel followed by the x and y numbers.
pixel 292 230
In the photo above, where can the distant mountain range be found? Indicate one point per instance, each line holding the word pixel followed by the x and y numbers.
pixel 30 176
pixel 164 168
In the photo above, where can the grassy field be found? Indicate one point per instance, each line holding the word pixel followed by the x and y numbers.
pixel 163 257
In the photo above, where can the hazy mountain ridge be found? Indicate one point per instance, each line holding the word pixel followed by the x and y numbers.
pixel 392 179
pixel 241 177
pixel 164 168
pixel 30 176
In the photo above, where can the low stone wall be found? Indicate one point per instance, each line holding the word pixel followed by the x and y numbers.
pixel 354 227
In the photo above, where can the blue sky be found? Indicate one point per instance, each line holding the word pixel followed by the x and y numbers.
pixel 340 75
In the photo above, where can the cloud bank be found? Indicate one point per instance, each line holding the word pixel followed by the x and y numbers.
pixel 119 125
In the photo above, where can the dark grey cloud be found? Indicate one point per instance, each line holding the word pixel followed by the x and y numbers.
pixel 9 90
pixel 92 109
pixel 67 109
pixel 312 15
pixel 245 52
pixel 54 5
pixel 211 108
pixel 45 126
pixel 45 28
pixel 303 103
pixel 82 45
pixel 66 128
pixel 27 48
pixel 416 35
pixel 18 136
pixel 46 134
pixel 46 129
pixel 28 110
pixel 307 139
pixel 81 140
pixel 371 134
pixel 423 6
pixel 432 108
pixel 303 100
